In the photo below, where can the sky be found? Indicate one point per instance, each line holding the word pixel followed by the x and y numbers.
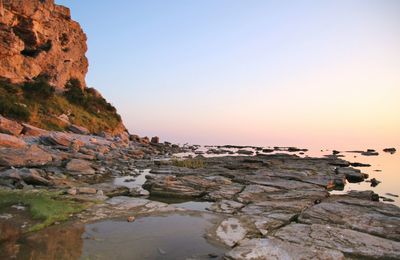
pixel 305 73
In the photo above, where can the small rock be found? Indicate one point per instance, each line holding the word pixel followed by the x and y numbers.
pixel 131 219
pixel 245 152
pixel 72 191
pixel 390 150
pixel 374 182
pixel 87 190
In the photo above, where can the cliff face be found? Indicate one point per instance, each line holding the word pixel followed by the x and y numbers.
pixel 38 37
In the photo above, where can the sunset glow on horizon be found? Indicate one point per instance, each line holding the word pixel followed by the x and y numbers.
pixel 290 73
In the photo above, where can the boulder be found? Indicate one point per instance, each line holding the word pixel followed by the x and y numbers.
pixel 352 175
pixel 27 156
pixel 231 231
pixel 57 138
pixel 155 140
pixel 31 130
pixel 29 176
pixel 9 127
pixel 78 129
pixel 78 166
pixel 10 141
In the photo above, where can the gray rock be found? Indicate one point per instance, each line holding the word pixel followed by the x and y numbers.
pixel 29 176
pixel 78 129
pixel 371 217
pixel 350 242
pixel 231 231
pixel 272 248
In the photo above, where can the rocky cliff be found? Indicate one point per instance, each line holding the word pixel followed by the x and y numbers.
pixel 39 37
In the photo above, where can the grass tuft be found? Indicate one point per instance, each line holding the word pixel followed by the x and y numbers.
pixel 189 163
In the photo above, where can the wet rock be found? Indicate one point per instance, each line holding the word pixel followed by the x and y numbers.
pixel 78 129
pixel 79 166
pixel 374 182
pixel 352 243
pixel 390 150
pixel 9 141
pixel 231 231
pixel 28 157
pixel 392 195
pixel 378 219
pixel 9 127
pixel 30 130
pixel 357 164
pixel 352 175
pixel 272 248
pixel 117 191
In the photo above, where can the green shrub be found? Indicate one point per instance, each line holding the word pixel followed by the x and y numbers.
pixel 39 89
pixel 11 109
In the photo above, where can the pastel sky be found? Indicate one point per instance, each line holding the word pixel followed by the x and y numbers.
pixel 259 72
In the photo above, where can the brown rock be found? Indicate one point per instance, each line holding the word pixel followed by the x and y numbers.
pixel 80 166
pixel 27 156
pixel 155 140
pixel 87 190
pixel 78 129
pixel 10 141
pixel 58 138
pixel 33 131
pixel 39 37
pixel 131 219
pixel 9 127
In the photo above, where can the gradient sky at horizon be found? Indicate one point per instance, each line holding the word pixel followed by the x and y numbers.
pixel 306 73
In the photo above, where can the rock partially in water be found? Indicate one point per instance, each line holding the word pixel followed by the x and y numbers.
pixel 390 150
pixel 231 231
pixel 352 175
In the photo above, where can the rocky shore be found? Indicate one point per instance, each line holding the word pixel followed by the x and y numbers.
pixel 270 205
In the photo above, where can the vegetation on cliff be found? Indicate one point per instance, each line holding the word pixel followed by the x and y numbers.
pixel 36 102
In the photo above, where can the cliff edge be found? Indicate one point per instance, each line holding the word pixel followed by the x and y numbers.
pixel 39 37
pixel 43 68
